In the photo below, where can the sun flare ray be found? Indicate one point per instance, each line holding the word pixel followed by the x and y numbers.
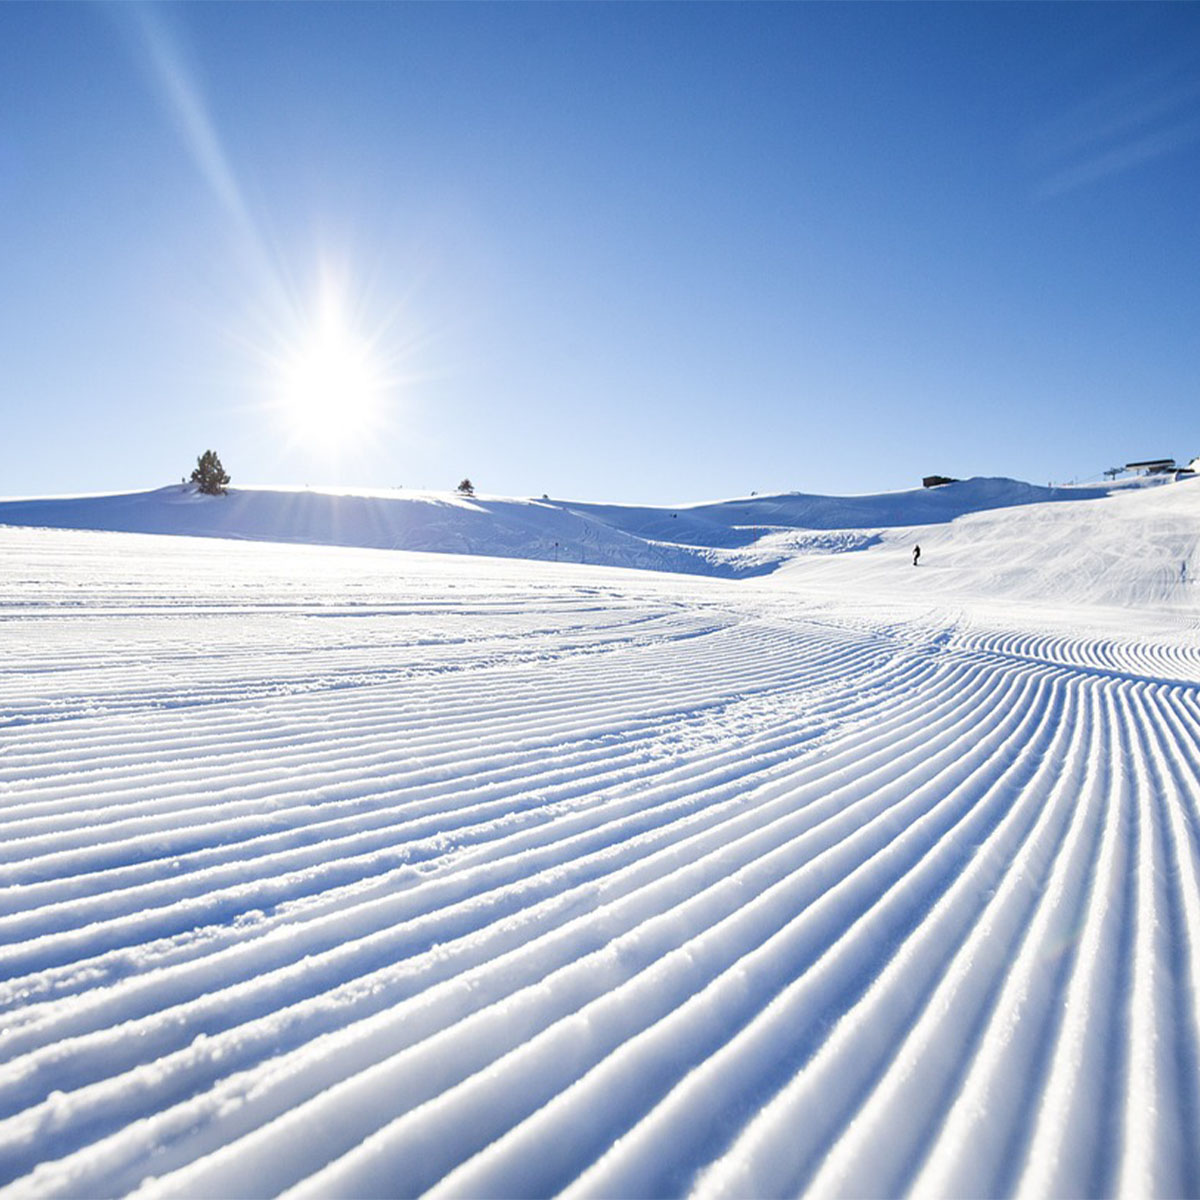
pixel 329 380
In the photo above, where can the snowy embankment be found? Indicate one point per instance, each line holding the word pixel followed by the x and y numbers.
pixel 356 873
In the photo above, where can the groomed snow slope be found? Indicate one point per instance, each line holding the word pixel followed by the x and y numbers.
pixel 343 872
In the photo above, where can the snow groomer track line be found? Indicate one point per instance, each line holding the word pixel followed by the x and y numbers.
pixel 524 879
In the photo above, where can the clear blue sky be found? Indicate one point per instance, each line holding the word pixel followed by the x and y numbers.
pixel 630 252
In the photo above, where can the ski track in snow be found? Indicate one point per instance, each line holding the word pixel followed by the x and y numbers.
pixel 348 873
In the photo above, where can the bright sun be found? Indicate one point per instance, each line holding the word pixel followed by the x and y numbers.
pixel 331 389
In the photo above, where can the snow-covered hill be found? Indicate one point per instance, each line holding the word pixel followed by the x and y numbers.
pixel 1137 548
pixel 334 871
pixel 1126 544
pixel 731 538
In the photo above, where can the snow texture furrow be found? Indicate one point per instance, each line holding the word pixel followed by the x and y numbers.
pixel 476 880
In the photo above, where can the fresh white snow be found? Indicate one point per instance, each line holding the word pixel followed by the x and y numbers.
pixel 782 867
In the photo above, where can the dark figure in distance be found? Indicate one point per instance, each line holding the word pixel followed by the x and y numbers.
pixel 916 554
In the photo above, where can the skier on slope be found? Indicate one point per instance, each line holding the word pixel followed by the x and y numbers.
pixel 916 554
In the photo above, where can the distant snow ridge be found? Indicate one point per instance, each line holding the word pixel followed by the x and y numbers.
pixel 730 538
pixel 327 877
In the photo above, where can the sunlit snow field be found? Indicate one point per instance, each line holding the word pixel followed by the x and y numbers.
pixel 346 871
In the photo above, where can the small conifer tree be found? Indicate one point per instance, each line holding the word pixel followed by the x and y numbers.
pixel 467 488
pixel 209 476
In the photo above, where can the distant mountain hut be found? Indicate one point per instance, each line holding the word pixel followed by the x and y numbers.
pixel 1153 466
